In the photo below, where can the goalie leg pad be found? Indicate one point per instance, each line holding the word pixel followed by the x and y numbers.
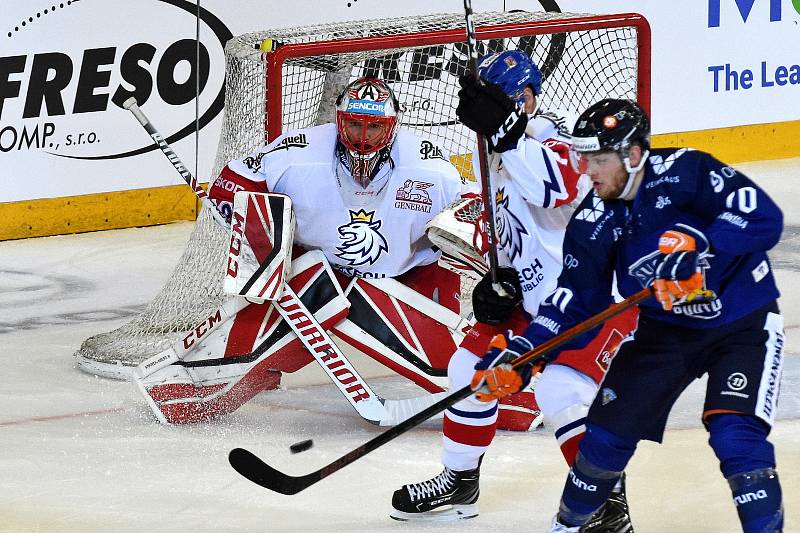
pixel 402 329
pixel 243 356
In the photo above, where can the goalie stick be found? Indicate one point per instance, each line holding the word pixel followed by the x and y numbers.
pixel 385 413
pixel 250 466
pixel 131 105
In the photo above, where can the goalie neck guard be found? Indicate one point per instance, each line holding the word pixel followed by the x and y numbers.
pixel 367 115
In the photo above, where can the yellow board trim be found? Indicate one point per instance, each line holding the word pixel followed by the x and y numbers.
pixel 161 205
pixel 738 144
pixel 93 212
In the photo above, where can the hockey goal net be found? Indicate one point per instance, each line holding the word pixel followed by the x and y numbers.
pixel 583 58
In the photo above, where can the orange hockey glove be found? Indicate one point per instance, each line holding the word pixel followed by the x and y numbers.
pixel 494 374
pixel 678 277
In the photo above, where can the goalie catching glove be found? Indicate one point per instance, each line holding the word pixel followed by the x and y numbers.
pixel 491 308
pixel 495 373
pixel 678 276
pixel 484 108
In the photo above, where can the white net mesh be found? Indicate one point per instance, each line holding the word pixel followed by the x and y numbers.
pixel 580 65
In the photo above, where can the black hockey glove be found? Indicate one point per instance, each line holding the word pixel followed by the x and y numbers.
pixel 484 108
pixel 488 306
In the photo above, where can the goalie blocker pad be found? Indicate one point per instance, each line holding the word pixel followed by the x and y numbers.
pixel 259 256
pixel 232 356
pixel 402 329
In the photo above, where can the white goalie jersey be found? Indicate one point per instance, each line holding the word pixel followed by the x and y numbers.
pixel 372 232
pixel 535 191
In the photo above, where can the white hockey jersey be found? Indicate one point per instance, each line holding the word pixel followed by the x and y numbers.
pixel 374 232
pixel 535 192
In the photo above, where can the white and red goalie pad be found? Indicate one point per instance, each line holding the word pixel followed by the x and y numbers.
pixel 259 257
pixel 458 231
pixel 239 351
pixel 402 329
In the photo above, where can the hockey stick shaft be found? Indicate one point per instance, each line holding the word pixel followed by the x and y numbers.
pixel 483 160
pixel 257 471
pixel 131 105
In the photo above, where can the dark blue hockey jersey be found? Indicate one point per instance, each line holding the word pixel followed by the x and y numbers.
pixel 612 238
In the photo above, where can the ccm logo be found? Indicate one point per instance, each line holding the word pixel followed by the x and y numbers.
pixel 198 332
pixel 236 245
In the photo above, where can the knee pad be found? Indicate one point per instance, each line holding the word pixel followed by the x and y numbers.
pixel 740 443
pixel 606 450
pixel 460 368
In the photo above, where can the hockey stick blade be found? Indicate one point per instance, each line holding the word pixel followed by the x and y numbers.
pixel 253 468
pixel 259 472
pixel 250 466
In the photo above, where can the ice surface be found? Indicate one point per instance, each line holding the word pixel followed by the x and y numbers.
pixel 79 453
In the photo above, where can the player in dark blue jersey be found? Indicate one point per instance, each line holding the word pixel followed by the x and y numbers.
pixel 697 231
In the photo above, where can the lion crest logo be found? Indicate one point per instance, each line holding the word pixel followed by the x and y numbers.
pixel 362 244
pixel 509 228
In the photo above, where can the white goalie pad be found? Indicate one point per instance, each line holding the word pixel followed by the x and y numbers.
pixel 402 329
pixel 458 232
pixel 259 257
pixel 239 351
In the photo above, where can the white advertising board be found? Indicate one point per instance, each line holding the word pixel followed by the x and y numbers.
pixel 66 68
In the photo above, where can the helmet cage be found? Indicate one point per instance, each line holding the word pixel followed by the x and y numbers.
pixel 371 103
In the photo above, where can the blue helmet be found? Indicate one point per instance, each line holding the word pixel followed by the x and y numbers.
pixel 512 70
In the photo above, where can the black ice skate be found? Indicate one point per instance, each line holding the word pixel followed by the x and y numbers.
pixel 613 516
pixel 449 496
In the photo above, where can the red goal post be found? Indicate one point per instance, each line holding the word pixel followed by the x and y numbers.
pixel 583 58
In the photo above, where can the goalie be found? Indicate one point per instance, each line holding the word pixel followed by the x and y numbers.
pixel 534 190
pixel 363 191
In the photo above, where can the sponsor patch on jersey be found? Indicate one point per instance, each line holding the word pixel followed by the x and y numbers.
pixel 609 349
pixel 413 195
pixel 362 242
pixel 295 141
pixel 428 150
pixel 254 162
pixel 662 202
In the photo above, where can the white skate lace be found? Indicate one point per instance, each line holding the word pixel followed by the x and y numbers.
pixel 433 487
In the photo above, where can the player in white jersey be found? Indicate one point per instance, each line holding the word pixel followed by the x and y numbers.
pixel 535 191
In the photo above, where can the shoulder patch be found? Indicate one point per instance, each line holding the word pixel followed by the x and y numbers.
pixel 593 212
pixel 661 164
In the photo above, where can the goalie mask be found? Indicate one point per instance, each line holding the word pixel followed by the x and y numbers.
pixel 512 70
pixel 367 114
pixel 611 125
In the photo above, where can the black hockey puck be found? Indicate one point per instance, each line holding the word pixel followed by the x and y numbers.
pixel 301 446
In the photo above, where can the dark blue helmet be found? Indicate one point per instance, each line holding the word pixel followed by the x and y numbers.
pixel 512 70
